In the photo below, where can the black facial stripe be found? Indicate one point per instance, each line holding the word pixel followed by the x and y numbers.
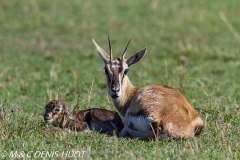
pixel 107 74
pixel 106 71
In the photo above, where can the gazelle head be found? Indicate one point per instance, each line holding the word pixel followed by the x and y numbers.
pixel 116 69
pixel 55 111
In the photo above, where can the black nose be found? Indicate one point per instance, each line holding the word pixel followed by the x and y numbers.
pixel 115 96
pixel 46 116
pixel 115 87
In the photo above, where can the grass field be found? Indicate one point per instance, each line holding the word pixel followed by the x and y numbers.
pixel 193 46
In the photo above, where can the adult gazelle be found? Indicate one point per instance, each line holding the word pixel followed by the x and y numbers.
pixel 148 111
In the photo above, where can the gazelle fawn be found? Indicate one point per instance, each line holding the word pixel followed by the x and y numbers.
pixel 148 111
pixel 56 113
pixel 94 119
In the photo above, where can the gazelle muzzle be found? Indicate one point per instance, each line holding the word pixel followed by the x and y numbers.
pixel 115 88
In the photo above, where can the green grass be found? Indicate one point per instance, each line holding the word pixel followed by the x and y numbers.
pixel 192 46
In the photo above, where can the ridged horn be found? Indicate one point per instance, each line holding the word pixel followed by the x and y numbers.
pixel 125 51
pixel 110 47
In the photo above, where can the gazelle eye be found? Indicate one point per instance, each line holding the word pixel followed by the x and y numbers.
pixel 126 71
pixel 57 110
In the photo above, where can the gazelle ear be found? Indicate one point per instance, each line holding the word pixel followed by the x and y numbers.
pixel 70 116
pixel 101 52
pixel 136 57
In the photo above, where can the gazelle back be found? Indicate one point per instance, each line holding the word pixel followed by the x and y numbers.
pixel 151 109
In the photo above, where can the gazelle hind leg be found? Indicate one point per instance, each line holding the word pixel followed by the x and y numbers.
pixel 174 131
pixel 190 130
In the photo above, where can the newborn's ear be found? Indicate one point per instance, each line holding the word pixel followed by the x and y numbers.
pixel 70 115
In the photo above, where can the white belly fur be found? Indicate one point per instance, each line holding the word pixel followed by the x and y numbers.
pixel 139 123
